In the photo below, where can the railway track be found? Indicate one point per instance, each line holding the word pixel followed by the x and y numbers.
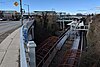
pixel 70 59
pixel 72 56
pixel 60 54
pixel 42 53
pixel 63 51
pixel 47 50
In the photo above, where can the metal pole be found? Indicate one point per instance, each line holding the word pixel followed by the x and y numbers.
pixel 21 12
pixel 28 11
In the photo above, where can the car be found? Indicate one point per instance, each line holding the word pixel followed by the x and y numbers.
pixel 4 19
pixel 1 19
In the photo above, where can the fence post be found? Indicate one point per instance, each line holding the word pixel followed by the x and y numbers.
pixel 31 45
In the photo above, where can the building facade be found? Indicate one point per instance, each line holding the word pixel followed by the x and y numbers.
pixel 9 14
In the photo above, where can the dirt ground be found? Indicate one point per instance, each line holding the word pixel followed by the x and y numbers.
pixel 91 57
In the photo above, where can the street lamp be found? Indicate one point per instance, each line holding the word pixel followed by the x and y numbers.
pixel 28 9
pixel 21 11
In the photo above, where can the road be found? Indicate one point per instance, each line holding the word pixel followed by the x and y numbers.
pixel 6 27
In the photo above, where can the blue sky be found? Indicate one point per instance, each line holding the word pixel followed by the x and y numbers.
pixel 70 6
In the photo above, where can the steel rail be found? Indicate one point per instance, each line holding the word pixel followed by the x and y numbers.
pixel 54 46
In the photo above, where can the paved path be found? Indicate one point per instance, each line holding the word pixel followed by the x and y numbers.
pixel 9 50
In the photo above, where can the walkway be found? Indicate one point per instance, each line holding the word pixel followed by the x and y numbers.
pixel 9 50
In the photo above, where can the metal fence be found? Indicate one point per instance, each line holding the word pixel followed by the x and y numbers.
pixel 27 45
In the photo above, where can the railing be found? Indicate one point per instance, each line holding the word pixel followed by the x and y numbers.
pixel 64 20
pixel 23 62
pixel 27 47
pixel 85 27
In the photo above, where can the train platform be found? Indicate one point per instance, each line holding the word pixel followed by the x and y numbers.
pixel 9 50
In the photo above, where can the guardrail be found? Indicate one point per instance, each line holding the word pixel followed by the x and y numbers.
pixel 27 47
pixel 85 27
pixel 23 62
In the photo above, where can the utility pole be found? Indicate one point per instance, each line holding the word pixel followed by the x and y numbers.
pixel 28 9
pixel 21 12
